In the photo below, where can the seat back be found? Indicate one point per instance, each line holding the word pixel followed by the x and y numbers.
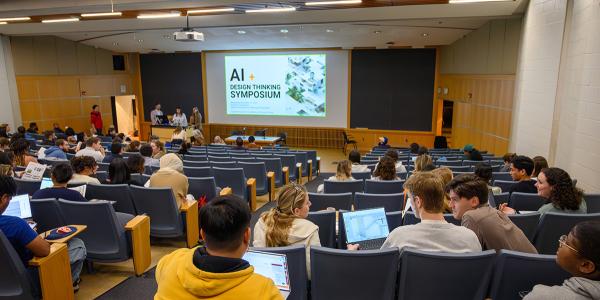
pixel 257 171
pixel 203 187
pixel 516 272
pixel 418 269
pixel 27 186
pixel 384 186
pixel 101 176
pixel 113 192
pixel 197 171
pixel 191 163
pixel 325 220
pixel 525 201
pixel 47 214
pixel 290 162
pixel 103 166
pixel 233 178
pixel 593 203
pixel 296 260
pixel 104 237
pixel 390 202
pixel 14 280
pixel 190 157
pixel 500 198
pixel 361 175
pixel 365 274
pixel 273 165
pixel 320 201
pixel 301 157
pixel 160 205
pixel 505 185
pixel 552 225
pixel 528 223
pixel 337 187
pixel 312 155
pixel 505 176
pixel 223 164
pixel 394 219
pixel 460 168
pixel 449 163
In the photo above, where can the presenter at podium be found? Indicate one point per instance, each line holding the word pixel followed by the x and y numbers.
pixel 179 118
pixel 154 115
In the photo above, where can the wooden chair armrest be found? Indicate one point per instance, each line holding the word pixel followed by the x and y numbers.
pixel 310 167
pixel 299 173
pixel 225 191
pixel 190 211
pixel 271 184
pixel 318 165
pixel 55 273
pixel 251 186
pixel 139 228
pixel 285 173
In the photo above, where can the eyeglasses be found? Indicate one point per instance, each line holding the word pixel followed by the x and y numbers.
pixel 562 241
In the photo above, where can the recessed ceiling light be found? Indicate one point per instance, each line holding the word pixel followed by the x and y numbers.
pixel 60 20
pixel 377 31
pixel 241 32
pixel 425 34
pixel 102 14
pixel 3 23
pixel 159 16
pixel 341 2
pixel 139 41
pixel 115 44
pixel 284 31
pixel 329 30
pixel 15 19
pixel 271 10
pixel 211 10
pixel 474 1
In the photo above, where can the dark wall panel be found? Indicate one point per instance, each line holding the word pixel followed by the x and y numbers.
pixel 392 89
pixel 173 79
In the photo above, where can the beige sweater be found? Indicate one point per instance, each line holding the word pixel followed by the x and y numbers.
pixel 166 177
pixel 302 232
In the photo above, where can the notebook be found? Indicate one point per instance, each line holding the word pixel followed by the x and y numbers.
pixel 19 207
pixel 271 265
pixel 367 227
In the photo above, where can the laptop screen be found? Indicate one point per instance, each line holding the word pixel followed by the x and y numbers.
pixel 364 225
pixel 270 265
pixel 19 207
pixel 46 183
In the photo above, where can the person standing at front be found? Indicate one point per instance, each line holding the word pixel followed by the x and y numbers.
pixel 96 119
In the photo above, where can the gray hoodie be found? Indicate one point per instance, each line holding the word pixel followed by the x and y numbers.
pixel 574 288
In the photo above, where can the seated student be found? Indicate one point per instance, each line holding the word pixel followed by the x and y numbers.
pixel 252 143
pixel 118 173
pixel 577 254
pixel 433 233
pixel 354 158
pixel 92 148
pixel 57 128
pixel 158 149
pixel 197 138
pixel 343 173
pixel 555 185
pixel 116 149
pixel 134 146
pixel 27 243
pixel 20 148
pixel 446 175
pixel 393 154
pixel 61 174
pixel 178 135
pixel 286 224
pixel 422 151
pixel 469 203
pixel 183 149
pixel 484 171
pixel 414 148
pixel 470 153
pixel 33 128
pixel 4 144
pixel 84 166
pixel 216 270
pixel 520 170
pixel 49 138
pixel 218 141
pixel 6 164
pixel 383 143
pixel 239 144
pixel 422 162
pixel 171 175
pixel 146 152
pixel 507 158
pixel 385 170
pixel 135 163
pixel 539 163
pixel 58 151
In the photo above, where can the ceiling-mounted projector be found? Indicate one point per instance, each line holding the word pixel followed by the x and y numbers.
pixel 188 35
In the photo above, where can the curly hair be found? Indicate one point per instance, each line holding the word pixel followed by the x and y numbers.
pixel 20 148
pixel 81 163
pixel 563 195
pixel 386 169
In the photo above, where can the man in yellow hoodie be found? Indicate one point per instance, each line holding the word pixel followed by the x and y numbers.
pixel 215 271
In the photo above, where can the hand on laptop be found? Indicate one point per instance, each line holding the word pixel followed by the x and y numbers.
pixel 352 247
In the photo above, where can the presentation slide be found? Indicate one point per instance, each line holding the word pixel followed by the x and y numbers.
pixel 276 85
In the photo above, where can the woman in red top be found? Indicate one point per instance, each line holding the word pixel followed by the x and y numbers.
pixel 96 119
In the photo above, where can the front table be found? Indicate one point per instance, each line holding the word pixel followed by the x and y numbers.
pixel 259 140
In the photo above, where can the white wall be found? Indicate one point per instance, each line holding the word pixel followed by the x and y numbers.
pixel 9 98
pixel 557 99
pixel 337 92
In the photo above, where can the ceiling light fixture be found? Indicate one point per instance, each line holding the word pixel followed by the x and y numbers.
pixel 284 31
pixel 329 30
pixel 424 34
pixel 159 16
pixel 60 20
pixel 377 31
pixel 475 1
pixel 271 10
pixel 3 23
pixel 15 19
pixel 241 32
pixel 210 10
pixel 102 14
pixel 341 2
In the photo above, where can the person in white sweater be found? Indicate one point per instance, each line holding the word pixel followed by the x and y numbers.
pixel 343 173
pixel 286 224
pixel 426 196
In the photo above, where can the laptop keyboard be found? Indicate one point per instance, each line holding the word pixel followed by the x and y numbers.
pixel 371 244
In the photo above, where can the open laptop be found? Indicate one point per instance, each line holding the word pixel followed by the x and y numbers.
pixel 46 183
pixel 368 228
pixel 271 265
pixel 20 207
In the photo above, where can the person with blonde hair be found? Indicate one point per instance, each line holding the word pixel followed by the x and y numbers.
pixel 178 135
pixel 286 224
pixel 343 173
pixel 445 174
pixel 422 162
pixel 158 149
pixel 218 141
